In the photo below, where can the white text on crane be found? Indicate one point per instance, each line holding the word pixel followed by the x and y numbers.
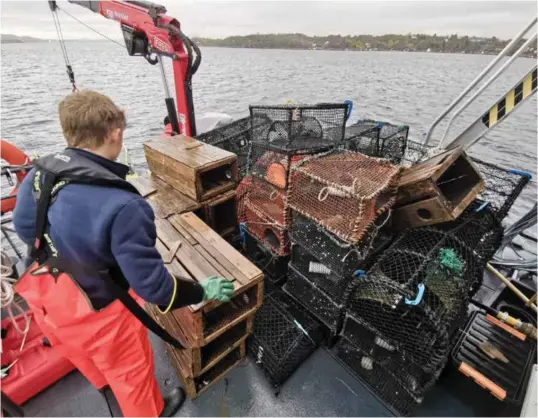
pixel 112 14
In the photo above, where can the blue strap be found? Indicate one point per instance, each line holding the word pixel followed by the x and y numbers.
pixel 349 108
pixel 482 206
pixel 419 296
pixel 359 273
pixel 521 173
pixel 242 232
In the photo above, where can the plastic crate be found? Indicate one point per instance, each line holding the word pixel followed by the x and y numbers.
pixel 283 337
pixel 299 128
pixel 378 139
pixel 506 381
pixel 234 137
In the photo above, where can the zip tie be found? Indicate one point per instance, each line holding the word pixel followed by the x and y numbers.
pixel 303 330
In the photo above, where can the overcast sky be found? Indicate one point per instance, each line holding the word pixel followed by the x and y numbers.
pixel 223 18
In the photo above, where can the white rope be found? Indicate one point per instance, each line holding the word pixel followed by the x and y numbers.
pixel 7 301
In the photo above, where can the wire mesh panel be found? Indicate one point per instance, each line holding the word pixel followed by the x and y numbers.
pixel 339 256
pixel 296 128
pixel 235 137
pixel 283 337
pixel 317 302
pixel 343 191
pixel 378 139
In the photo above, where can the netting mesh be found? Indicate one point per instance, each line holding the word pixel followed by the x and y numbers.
pixel 339 256
pixel 343 191
pixel 416 294
pixel 275 269
pixel 316 301
pixel 399 390
pixel 283 337
pixel 295 128
pixel 270 165
pixel 503 186
pixel 378 139
pixel 235 137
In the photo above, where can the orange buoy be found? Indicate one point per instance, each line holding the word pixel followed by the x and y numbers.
pixel 14 157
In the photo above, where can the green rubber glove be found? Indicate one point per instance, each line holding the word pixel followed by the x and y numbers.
pixel 217 288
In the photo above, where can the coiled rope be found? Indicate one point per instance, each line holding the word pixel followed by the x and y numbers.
pixel 8 302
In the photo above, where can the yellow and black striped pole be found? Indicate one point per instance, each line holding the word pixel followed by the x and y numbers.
pixel 509 102
pixel 499 111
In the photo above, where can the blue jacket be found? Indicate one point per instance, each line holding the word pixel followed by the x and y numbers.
pixel 102 227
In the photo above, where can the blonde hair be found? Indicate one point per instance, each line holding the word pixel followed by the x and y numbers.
pixel 87 117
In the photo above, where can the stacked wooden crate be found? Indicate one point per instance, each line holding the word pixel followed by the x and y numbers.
pixel 213 332
pixel 201 172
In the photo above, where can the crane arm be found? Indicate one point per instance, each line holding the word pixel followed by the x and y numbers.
pixel 149 32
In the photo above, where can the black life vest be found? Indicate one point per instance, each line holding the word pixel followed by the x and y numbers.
pixel 54 172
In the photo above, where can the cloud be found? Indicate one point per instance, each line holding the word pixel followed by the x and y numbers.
pixel 225 18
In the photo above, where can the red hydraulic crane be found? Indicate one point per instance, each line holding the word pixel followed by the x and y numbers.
pixel 150 33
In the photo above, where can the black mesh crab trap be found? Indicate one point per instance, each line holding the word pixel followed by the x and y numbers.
pixel 315 300
pixel 283 337
pixel 503 186
pixel 235 137
pixel 378 139
pixel 295 128
pixel 414 295
pixel 399 391
pixel 275 269
pixel 341 257
pixel 343 191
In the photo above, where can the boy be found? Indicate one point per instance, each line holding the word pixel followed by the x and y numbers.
pixel 93 241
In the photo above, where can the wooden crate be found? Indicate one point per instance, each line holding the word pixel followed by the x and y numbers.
pixel 163 198
pixel 436 190
pixel 200 171
pixel 195 361
pixel 196 385
pixel 221 213
pixel 203 253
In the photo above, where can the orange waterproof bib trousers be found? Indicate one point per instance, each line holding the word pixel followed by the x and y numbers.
pixel 110 346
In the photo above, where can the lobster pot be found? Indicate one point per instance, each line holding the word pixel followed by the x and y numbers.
pixel 268 199
pixel 264 228
pixel 315 300
pixel 275 269
pixel 343 192
pixel 503 186
pixel 271 164
pixel 378 139
pixel 283 337
pixel 234 137
pixel 300 128
pixel 416 294
pixel 398 391
pixel 319 274
pixel 341 257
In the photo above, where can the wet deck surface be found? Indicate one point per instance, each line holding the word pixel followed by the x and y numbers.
pixel 321 387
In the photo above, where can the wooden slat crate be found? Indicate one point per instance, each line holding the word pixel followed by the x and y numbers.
pixel 163 198
pixel 436 190
pixel 221 212
pixel 195 386
pixel 198 360
pixel 203 253
pixel 200 171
